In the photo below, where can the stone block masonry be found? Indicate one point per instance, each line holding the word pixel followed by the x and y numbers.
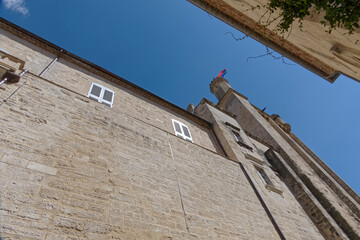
pixel 72 168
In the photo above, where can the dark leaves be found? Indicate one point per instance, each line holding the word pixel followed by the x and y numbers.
pixel 338 13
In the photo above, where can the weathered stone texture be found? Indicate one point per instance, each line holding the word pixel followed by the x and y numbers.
pixel 79 80
pixel 84 186
pixel 36 59
pixel 287 212
pixel 301 162
pixel 218 200
pixel 115 175
pixel 72 168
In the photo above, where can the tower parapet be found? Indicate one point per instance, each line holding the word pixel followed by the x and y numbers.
pixel 219 86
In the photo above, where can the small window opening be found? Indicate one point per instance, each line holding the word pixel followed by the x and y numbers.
pixel 239 140
pixel 237 136
pixel 181 130
pixel 101 94
pixel 264 177
pixel 266 180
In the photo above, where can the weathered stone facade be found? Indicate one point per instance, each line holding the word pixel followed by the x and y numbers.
pixel 73 168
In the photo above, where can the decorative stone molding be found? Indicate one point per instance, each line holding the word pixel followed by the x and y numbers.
pixel 254 159
pixel 10 67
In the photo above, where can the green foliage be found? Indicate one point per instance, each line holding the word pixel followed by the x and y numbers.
pixel 345 13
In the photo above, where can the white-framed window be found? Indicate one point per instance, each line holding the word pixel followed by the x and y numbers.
pixel 101 94
pixel 181 130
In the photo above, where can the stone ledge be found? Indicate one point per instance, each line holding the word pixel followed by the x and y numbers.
pixel 274 189
pixel 254 159
pixel 242 144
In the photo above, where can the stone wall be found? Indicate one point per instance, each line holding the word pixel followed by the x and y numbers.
pixel 283 206
pixel 345 213
pixel 87 171
pixel 35 57
pixel 72 76
pixel 72 168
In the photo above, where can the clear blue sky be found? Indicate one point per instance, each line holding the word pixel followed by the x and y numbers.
pixel 174 50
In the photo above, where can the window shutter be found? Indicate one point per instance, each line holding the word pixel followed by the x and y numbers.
pixel 108 97
pixel 177 128
pixel 95 92
pixel 186 131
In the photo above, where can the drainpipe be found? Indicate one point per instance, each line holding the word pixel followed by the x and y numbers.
pixel 49 66
pixel 3 80
pixel 12 77
pixel 257 193
pixel 262 202
pixel 6 79
pixel 23 72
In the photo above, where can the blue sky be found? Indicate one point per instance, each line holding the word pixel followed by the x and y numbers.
pixel 174 50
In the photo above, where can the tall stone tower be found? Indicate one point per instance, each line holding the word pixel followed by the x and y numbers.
pixel 269 148
pixel 87 155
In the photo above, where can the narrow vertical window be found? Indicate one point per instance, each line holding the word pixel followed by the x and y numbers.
pixel 239 140
pixel 101 94
pixel 237 136
pixel 177 127
pixel 181 130
pixel 95 92
pixel 264 177
pixel 186 131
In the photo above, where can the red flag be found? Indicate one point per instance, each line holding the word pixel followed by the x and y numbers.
pixel 222 73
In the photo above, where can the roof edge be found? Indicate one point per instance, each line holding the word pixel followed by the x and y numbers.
pixel 81 62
